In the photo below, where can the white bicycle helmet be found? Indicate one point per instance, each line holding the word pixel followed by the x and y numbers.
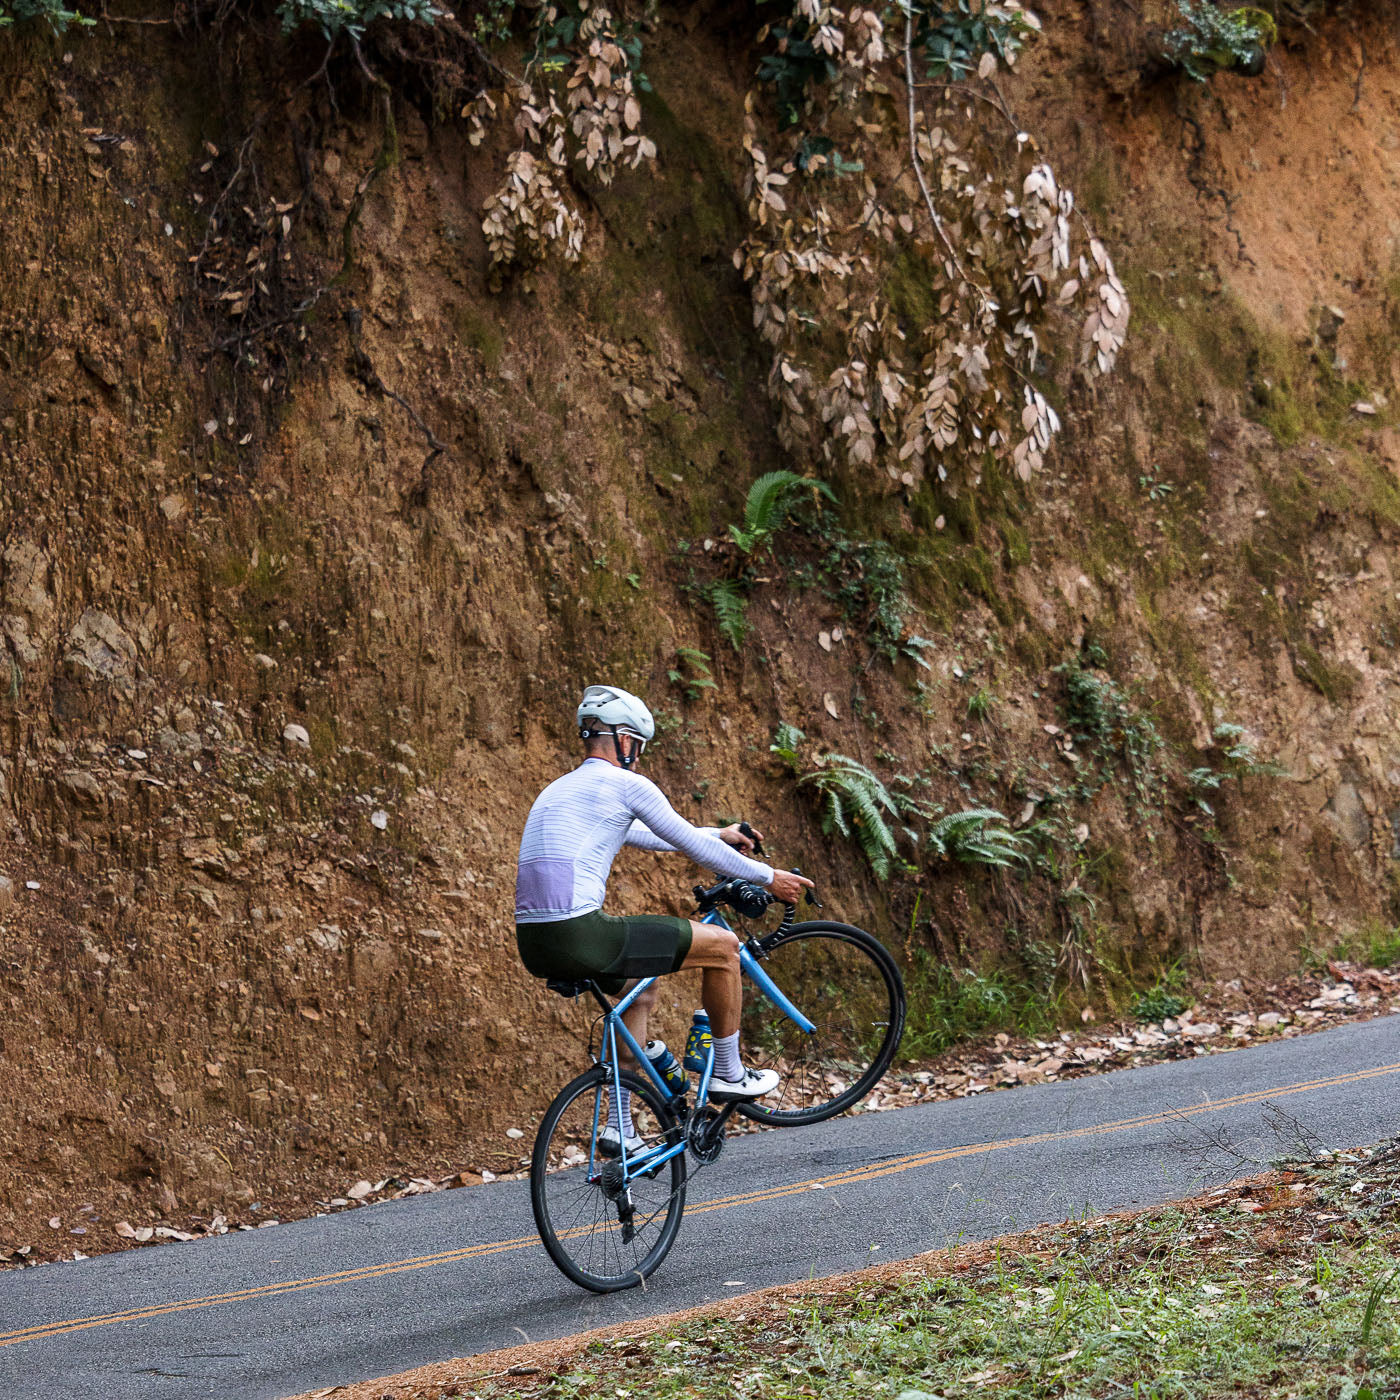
pixel 605 707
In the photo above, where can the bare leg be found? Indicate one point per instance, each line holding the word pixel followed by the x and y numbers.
pixel 716 952
pixel 636 1015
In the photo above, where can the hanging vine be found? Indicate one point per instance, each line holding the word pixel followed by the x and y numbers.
pixel 576 99
pixel 914 262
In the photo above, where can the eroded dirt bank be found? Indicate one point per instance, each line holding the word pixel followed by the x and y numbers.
pixel 281 689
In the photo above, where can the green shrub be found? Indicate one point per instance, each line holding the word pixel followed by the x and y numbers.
pixel 55 14
pixel 1238 760
pixel 1210 40
pixel 1162 999
pixel 335 17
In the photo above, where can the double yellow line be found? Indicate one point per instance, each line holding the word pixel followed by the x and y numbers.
pixel 854 1175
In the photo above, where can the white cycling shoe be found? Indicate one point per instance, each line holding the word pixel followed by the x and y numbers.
pixel 752 1084
pixel 610 1143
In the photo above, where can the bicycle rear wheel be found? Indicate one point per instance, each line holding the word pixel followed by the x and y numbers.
pixel 842 979
pixel 604 1233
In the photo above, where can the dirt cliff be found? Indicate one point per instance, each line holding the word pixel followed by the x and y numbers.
pixel 294 638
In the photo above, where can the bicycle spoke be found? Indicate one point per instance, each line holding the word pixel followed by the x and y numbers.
pixel 584 1222
pixel 852 994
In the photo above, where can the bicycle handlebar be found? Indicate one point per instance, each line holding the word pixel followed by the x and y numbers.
pixel 746 898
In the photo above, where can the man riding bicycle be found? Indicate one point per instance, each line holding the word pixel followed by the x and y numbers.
pixel 572 835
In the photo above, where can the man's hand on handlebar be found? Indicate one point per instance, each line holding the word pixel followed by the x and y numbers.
pixel 735 835
pixel 787 887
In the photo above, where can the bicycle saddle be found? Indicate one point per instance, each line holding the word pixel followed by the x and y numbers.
pixel 567 987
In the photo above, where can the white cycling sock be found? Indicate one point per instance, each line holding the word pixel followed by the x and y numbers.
pixel 727 1064
pixel 620 1112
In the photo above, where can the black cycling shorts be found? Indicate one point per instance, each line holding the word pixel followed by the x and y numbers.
pixel 608 949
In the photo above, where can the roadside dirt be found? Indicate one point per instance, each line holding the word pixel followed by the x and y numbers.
pixel 1228 1018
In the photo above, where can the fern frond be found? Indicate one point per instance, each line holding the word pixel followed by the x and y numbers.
pixel 765 496
pixel 731 610
pixel 835 814
pixel 767 504
pixel 970 837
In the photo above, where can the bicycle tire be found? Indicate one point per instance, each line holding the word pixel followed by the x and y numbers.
pixel 579 1224
pixel 843 979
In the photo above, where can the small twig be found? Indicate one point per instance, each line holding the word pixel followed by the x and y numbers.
pixel 386 156
pixel 295 314
pixel 126 19
pixel 369 376
pixel 1360 73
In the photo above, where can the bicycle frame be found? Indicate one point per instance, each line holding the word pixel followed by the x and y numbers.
pixel 614 1029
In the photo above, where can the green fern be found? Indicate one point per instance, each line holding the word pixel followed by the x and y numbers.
pixel 857 805
pixel 787 739
pixel 692 673
pixel 971 838
pixel 770 501
pixel 731 610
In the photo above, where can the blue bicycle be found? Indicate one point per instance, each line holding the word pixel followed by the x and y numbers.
pixel 829 1017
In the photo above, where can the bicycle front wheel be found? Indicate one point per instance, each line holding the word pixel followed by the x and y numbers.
pixel 842 979
pixel 605 1228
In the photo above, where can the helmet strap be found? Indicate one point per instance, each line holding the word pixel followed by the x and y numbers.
pixel 617 748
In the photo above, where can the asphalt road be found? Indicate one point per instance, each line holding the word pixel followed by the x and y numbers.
pixel 368 1292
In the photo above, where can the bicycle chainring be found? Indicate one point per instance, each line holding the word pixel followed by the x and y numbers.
pixel 704 1134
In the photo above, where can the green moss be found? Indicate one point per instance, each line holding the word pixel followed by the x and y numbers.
pixel 1337 684
pixel 911 294
pixel 1204 342
pixel 482 335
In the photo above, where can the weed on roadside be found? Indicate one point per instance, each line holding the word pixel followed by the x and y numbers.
pixel 1269 1288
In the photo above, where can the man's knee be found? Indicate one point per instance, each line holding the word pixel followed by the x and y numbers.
pixel 728 946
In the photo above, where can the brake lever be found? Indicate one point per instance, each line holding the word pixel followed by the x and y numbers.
pixel 746 830
pixel 809 894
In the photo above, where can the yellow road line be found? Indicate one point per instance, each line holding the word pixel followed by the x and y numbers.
pixel 851 1176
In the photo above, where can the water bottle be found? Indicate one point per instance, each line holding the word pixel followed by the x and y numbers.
pixel 667 1066
pixel 698 1043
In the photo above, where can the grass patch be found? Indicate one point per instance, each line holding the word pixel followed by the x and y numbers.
pixel 1284 1286
pixel 1374 944
pixel 948 1007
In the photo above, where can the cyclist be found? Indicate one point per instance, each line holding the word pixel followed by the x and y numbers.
pixel 572 835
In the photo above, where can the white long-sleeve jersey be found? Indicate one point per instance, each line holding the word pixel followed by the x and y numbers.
pixel 581 821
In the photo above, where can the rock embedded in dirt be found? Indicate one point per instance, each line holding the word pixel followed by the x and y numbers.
pixel 296 735
pixel 82 786
pixel 100 651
